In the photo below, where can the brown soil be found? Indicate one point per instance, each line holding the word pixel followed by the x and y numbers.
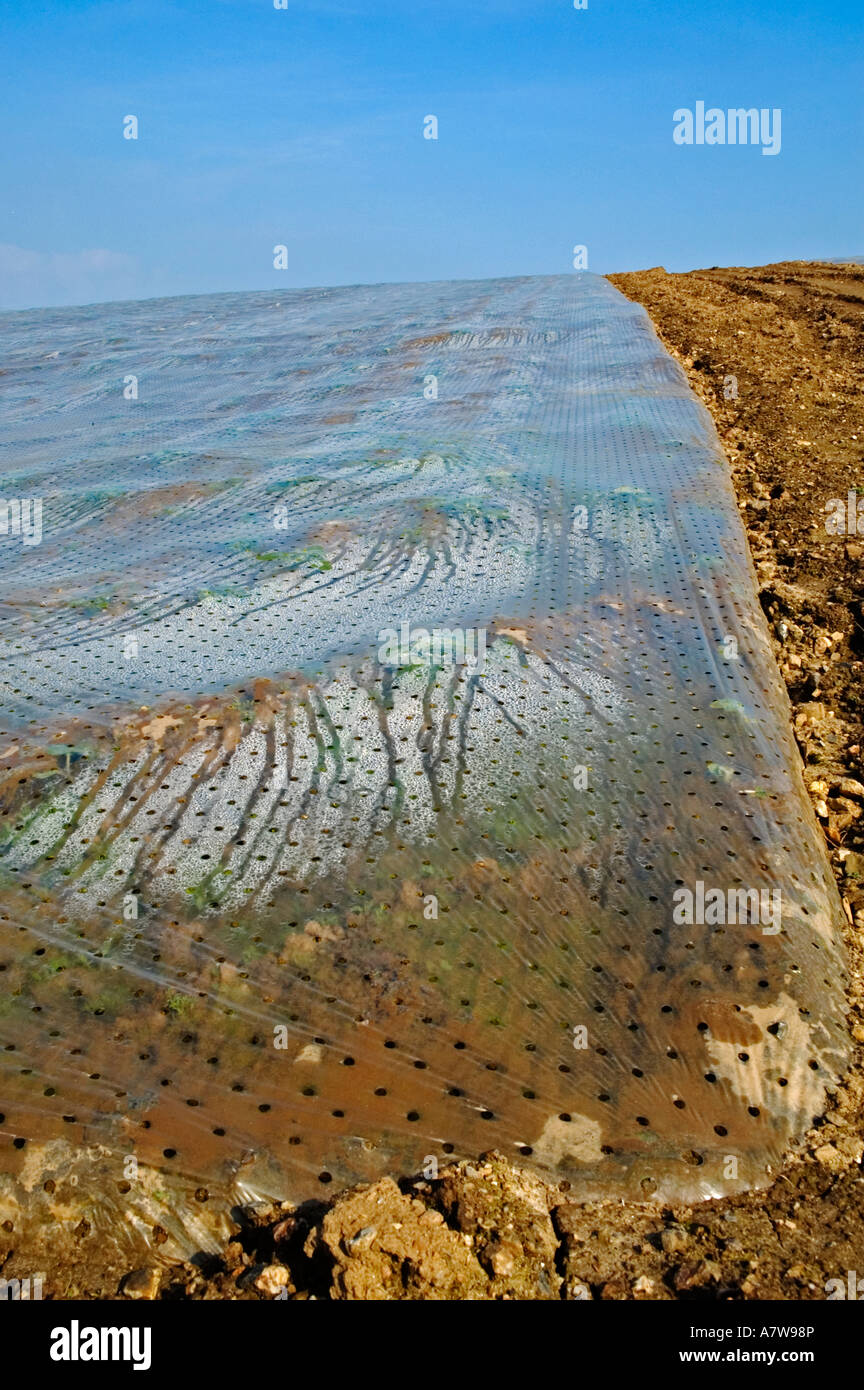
pixel 792 423
pixel 489 1230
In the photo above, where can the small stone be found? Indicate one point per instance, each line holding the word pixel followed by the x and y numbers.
pixel 361 1240
pixel 853 865
pixel 142 1283
pixel 286 1228
pixel 848 786
pixel 272 1280
pixel 829 1157
pixel 501 1257
pixel 696 1274
pixel 644 1285
pixel 674 1240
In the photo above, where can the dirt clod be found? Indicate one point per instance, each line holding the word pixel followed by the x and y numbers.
pixel 142 1283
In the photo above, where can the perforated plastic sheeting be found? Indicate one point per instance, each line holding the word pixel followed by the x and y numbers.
pixel 290 897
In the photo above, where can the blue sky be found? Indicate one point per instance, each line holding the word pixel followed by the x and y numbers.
pixel 304 127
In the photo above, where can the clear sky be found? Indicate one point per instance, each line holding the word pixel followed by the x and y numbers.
pixel 303 127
